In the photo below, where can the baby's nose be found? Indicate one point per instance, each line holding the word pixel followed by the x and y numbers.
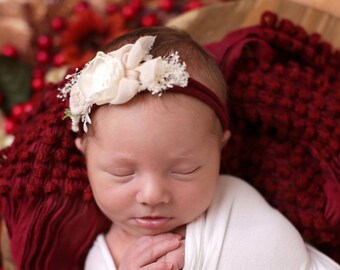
pixel 152 191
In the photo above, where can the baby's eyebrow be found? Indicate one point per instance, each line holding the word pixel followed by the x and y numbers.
pixel 121 157
pixel 184 156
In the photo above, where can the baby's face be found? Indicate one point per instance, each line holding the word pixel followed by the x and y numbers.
pixel 153 164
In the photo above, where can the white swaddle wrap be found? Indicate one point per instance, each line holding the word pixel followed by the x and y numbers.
pixel 205 235
pixel 239 231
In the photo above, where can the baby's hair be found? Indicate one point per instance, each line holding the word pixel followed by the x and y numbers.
pixel 200 64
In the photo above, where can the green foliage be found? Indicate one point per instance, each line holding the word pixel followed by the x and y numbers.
pixel 67 114
pixel 15 82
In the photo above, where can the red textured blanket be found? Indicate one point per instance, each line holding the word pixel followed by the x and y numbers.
pixel 284 101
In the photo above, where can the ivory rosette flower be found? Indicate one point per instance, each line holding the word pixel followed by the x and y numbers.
pixel 97 83
pixel 116 77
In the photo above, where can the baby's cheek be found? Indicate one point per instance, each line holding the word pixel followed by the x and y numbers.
pixel 103 198
pixel 198 203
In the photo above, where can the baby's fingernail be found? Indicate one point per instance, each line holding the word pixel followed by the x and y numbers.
pixel 175 240
pixel 177 236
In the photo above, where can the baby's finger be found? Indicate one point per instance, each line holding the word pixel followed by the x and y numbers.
pixel 158 266
pixel 155 247
pixel 145 242
pixel 147 249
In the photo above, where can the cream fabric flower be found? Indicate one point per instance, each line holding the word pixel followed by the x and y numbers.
pixel 116 77
pixel 99 81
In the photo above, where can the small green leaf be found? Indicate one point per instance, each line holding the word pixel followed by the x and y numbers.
pixel 67 114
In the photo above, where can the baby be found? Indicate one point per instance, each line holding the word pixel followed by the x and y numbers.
pixel 152 123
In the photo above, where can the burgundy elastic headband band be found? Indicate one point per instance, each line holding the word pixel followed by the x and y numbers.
pixel 204 94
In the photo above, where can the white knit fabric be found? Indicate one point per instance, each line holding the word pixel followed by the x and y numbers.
pixel 240 231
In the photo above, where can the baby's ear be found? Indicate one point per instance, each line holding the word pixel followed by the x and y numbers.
pixel 225 138
pixel 79 142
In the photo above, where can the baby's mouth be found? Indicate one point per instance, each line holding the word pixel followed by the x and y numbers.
pixel 152 222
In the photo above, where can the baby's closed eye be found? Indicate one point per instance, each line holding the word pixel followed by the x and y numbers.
pixel 121 173
pixel 185 170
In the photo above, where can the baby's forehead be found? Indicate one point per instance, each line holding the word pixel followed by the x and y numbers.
pixel 145 106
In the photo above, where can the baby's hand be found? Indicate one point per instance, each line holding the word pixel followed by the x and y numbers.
pixel 160 252
pixel 175 257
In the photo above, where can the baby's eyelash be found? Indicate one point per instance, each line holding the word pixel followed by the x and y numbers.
pixel 186 172
pixel 122 175
pixel 118 173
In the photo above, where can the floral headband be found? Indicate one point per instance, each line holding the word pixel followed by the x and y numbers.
pixel 116 77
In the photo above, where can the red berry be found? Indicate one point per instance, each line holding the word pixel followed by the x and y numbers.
pixel 42 57
pixel 166 5
pixel 9 50
pixel 129 12
pixel 149 20
pixel 37 84
pixel 58 60
pixel 111 8
pixel 17 111
pixel 44 42
pixel 9 125
pixel 28 107
pixel 81 7
pixel 57 24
